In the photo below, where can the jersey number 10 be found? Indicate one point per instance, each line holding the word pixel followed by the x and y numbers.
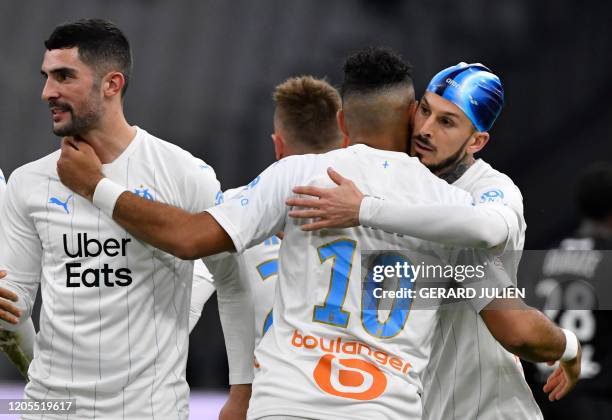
pixel 331 312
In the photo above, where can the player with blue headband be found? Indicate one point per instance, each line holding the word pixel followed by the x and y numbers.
pixel 453 119
pixel 474 89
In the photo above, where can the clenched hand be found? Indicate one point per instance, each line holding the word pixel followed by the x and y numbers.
pixel 79 168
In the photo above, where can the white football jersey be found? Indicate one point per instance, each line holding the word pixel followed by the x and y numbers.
pixel 259 264
pixel 202 289
pixel 26 333
pixel 470 375
pixel 114 319
pixel 2 185
pixel 328 355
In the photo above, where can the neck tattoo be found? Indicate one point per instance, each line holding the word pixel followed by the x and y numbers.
pixel 457 170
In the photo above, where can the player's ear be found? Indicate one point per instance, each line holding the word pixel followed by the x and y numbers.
pixel 113 83
pixel 411 113
pixel 480 140
pixel 412 110
pixel 279 145
pixel 342 125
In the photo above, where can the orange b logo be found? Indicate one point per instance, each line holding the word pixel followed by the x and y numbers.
pixel 349 378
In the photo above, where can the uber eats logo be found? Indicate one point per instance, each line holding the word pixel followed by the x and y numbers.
pixel 86 247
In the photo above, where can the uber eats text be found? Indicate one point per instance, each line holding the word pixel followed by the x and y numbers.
pixel 86 247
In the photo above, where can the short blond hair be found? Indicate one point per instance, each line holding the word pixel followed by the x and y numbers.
pixel 306 109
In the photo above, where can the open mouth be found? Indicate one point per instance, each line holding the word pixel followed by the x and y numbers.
pixel 58 112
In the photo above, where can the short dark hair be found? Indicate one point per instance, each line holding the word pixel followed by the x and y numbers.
pixel 100 44
pixel 306 108
pixel 594 192
pixel 374 68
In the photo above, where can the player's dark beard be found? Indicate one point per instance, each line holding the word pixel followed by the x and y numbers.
pixel 79 123
pixel 451 168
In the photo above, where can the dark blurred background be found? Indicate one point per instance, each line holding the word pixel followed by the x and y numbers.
pixel 204 72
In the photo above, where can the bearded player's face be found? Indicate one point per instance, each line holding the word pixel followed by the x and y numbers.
pixel 72 90
pixel 441 132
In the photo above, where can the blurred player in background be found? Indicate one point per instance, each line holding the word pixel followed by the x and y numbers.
pixel 326 350
pixel 304 122
pixel 575 276
pixel 114 318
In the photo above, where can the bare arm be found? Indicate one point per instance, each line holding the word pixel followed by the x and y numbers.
pixel 529 334
pixel 523 330
pixel 237 404
pixel 185 235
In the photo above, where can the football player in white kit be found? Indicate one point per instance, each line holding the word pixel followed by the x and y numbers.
pixel 326 356
pixel 451 124
pixel 304 122
pixel 114 319
pixel 17 345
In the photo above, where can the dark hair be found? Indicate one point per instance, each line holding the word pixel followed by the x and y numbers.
pixel 374 68
pixel 100 44
pixel 306 108
pixel 594 192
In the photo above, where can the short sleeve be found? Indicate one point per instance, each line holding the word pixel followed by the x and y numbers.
pixel 259 210
pixel 200 187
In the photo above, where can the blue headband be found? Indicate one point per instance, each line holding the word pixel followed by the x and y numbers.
pixel 473 88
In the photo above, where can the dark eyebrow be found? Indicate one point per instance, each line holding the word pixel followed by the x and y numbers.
pixel 64 71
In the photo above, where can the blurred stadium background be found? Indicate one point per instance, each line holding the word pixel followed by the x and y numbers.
pixel 204 72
